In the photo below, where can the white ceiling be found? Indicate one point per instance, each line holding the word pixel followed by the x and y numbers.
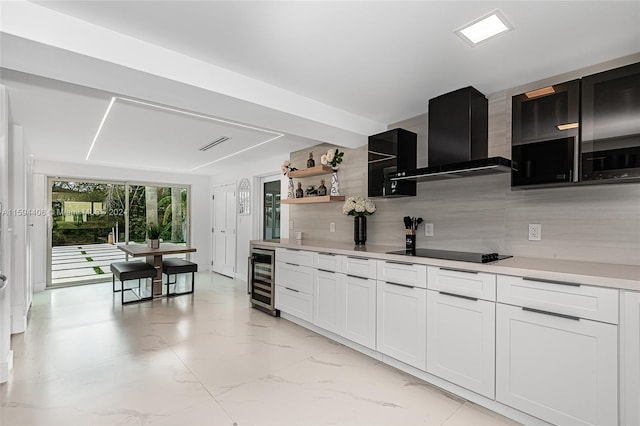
pixel 315 71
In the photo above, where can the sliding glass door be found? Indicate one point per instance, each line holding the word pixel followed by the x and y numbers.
pixel 91 217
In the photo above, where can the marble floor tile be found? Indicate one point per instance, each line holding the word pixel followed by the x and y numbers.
pixel 203 359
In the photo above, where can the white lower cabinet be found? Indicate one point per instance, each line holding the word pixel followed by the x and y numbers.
pixel 461 341
pixel 330 303
pixel 402 323
pixel 560 369
pixel 360 321
pixel 294 289
pixel 630 358
pixel 346 305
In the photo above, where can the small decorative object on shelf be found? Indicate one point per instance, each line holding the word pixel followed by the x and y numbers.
pixel 285 168
pixel 332 158
pixel 311 162
pixel 299 191
pixel 291 192
pixel 322 190
pixel 311 191
pixel 359 208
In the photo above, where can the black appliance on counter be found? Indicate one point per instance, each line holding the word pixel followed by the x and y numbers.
pixel 545 135
pixel 458 139
pixel 611 124
pixel 261 280
pixel 389 152
pixel 461 256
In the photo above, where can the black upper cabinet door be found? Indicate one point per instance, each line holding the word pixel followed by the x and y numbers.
pixel 611 124
pixel 545 135
pixel 391 151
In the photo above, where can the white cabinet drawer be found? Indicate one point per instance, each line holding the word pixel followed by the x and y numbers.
pixel 479 285
pixel 329 262
pixel 402 273
pixel 359 267
pixel 299 278
pixel 573 299
pixel 295 303
pixel 297 257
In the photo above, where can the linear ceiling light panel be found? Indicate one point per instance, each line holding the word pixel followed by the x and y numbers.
pixel 214 143
pixel 484 28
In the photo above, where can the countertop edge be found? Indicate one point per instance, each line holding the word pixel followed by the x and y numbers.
pixel 624 277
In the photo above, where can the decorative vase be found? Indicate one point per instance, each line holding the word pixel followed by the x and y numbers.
pixel 291 192
pixel 153 243
pixel 335 185
pixel 311 162
pixel 360 230
pixel 299 191
pixel 322 190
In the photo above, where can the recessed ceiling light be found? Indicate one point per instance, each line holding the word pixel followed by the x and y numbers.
pixel 483 28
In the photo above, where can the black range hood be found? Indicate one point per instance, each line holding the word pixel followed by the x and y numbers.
pixel 485 166
pixel 458 139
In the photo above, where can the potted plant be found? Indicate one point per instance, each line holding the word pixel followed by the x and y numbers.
pixel 359 208
pixel 153 235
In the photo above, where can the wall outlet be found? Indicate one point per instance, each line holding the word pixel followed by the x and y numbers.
pixel 332 227
pixel 535 232
pixel 428 229
pixel 291 224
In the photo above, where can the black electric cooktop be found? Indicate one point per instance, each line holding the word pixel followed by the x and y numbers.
pixel 461 256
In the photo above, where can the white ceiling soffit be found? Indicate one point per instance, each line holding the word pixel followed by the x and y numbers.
pixel 37 23
pixel 144 135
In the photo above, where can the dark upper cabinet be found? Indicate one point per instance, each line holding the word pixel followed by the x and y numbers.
pixel 391 151
pixel 545 135
pixel 611 124
pixel 458 127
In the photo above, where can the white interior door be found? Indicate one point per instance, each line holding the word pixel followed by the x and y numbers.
pixel 224 230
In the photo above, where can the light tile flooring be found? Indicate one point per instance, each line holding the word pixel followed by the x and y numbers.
pixel 202 359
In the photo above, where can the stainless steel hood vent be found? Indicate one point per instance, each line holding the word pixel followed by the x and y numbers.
pixel 457 139
pixel 485 166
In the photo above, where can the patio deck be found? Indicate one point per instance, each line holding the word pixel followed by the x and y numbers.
pixel 85 264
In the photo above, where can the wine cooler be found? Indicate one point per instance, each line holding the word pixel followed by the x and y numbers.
pixel 262 280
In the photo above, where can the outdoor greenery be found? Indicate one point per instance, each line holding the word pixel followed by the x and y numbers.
pixel 86 212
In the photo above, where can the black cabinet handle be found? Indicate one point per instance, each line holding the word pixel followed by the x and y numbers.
pixel 355 276
pixel 552 282
pixel 358 257
pixel 325 270
pixel 459 270
pixel 400 285
pixel 327 254
pixel 539 311
pixel 398 263
pixel 292 264
pixel 475 299
pixel 292 289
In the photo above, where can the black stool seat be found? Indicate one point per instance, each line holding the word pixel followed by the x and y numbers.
pixel 126 271
pixel 173 266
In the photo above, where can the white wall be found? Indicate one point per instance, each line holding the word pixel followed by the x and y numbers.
pixel 200 205
pixel 248 226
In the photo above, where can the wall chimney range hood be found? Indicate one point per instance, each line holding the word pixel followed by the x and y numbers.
pixel 458 139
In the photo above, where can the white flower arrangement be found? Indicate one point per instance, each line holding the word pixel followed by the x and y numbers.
pixel 358 206
pixel 332 158
pixel 286 167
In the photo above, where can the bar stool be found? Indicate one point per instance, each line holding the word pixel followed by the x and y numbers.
pixel 174 267
pixel 126 271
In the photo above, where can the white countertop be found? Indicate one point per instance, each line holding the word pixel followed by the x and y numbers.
pixel 589 273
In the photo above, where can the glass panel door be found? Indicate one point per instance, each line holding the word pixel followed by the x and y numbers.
pixel 91 218
pixel 87 217
pixel 271 214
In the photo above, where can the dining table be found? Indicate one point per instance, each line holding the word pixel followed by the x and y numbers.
pixel 153 256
